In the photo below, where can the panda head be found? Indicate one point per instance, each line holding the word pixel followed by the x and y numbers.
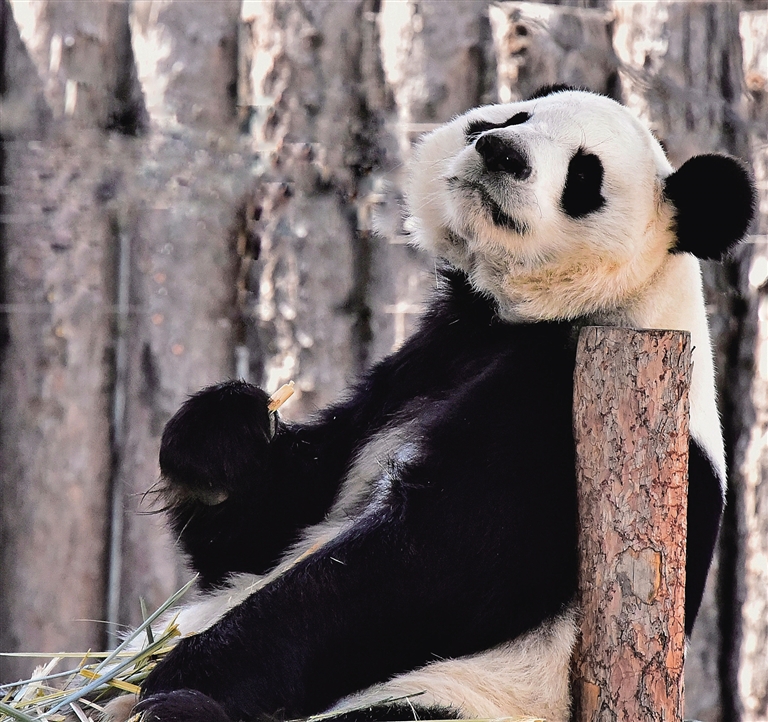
pixel 565 205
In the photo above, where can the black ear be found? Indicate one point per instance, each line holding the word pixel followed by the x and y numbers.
pixel 714 199
pixel 546 90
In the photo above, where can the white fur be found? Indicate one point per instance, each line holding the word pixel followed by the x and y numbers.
pixel 369 478
pixel 524 678
pixel 676 301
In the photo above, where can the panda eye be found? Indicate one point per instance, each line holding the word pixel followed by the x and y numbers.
pixel 583 185
pixel 477 127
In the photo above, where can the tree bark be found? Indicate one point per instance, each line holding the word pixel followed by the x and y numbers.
pixel 681 70
pixel 539 44
pixel 119 243
pixel 57 239
pixel 178 220
pixel 753 359
pixel 631 431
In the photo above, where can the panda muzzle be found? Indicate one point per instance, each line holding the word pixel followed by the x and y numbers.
pixel 500 156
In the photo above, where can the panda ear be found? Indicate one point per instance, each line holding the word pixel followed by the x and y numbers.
pixel 546 90
pixel 714 199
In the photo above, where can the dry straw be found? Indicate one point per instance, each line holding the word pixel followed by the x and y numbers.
pixel 78 692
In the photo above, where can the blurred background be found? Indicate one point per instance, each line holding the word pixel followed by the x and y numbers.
pixel 193 191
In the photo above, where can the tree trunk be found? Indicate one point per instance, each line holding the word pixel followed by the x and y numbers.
pixel 752 456
pixel 312 82
pixel 57 238
pixel 438 63
pixel 178 220
pixel 631 432
pixel 539 44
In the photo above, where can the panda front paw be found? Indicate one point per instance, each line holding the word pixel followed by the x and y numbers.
pixel 217 444
pixel 223 503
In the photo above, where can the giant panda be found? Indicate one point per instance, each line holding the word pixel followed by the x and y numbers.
pixel 410 553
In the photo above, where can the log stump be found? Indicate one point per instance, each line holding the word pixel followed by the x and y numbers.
pixel 631 432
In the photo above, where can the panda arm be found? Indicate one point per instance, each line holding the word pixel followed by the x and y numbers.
pixel 474 544
pixel 239 488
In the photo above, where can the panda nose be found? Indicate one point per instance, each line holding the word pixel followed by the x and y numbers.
pixel 499 155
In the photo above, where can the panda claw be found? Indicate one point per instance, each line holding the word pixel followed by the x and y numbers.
pixel 181 705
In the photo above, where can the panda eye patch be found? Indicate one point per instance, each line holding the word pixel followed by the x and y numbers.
pixel 478 127
pixel 583 184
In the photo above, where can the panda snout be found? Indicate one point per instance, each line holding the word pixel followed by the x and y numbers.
pixel 499 155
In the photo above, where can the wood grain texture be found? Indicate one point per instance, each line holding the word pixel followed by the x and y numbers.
pixel 631 430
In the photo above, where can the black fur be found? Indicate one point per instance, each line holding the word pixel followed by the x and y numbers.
pixel 714 199
pixel 582 193
pixel 181 705
pixel 545 90
pixel 705 510
pixel 486 509
pixel 186 705
pixel 477 127
pixel 219 445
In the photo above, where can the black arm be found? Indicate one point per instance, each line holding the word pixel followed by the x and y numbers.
pixel 237 496
pixel 239 485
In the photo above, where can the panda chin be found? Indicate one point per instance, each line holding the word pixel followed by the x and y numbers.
pixel 502 220
pixel 477 193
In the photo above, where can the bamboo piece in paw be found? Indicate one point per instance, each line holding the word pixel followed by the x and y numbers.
pixel 280 396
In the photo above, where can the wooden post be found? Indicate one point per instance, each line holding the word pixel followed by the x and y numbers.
pixel 631 431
